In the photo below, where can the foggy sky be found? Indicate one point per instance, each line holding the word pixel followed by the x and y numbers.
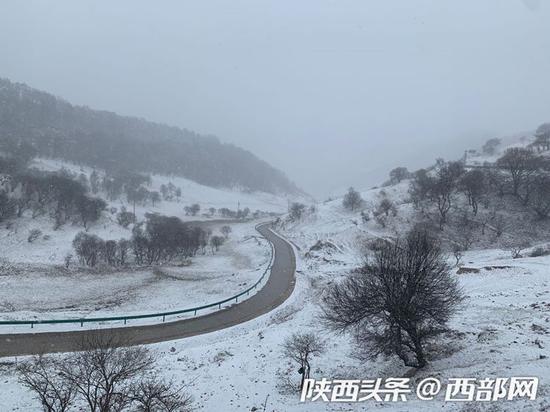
pixel 334 93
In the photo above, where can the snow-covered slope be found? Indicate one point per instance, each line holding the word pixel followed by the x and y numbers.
pixel 192 192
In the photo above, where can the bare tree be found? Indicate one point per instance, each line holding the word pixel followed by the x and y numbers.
pixel 301 347
pixel 7 207
pixel 516 246
pixel 539 201
pixel 106 375
pixel 104 369
pixel 542 137
pixel 399 300
pixel 385 207
pixel 226 230
pixel 472 184
pixel 88 248
pixel 420 186
pixel 155 395
pixel 490 146
pixel 521 164
pixel 443 187
pixel 38 375
pixel 216 242
pixel 398 174
pixel 437 187
pixel 352 199
pixel 296 210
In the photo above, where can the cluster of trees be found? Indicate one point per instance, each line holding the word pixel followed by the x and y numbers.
pixel 490 147
pixel 163 238
pixel 402 298
pixel 41 193
pixel 437 187
pixel 542 138
pixel 192 210
pixel 158 239
pixel 129 184
pixel 104 374
pixel 31 120
pixel 518 174
pixel 235 214
pixel 125 218
pixel 395 305
pixel 170 191
pixel 399 174
pixel 91 250
pixel 383 211
pixel 296 211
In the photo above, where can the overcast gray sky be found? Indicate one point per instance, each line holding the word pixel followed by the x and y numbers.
pixel 334 93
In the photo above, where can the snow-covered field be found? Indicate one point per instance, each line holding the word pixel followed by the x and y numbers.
pixel 45 292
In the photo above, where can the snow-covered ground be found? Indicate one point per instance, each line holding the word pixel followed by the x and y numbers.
pixel 192 192
pixel 45 291
pixel 34 283
pixel 502 329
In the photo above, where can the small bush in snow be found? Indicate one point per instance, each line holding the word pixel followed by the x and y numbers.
pixel 125 218
pixel 539 251
pixel 68 260
pixel 33 235
pixel 226 230
pixel 385 207
pixel 8 269
pixel 216 242
pixel 296 211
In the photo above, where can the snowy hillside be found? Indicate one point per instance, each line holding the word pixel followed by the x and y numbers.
pixel 500 331
pixel 192 192
pixel 35 284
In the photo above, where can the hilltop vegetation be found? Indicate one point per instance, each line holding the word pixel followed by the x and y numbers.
pixel 33 122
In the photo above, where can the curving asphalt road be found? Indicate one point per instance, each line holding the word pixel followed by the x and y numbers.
pixel 277 289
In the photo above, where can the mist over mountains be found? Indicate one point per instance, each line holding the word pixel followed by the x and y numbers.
pixel 48 126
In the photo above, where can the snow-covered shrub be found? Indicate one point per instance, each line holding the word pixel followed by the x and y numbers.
pixel 33 235
pixel 8 269
pixel 125 218
pixel 88 248
pixel 539 251
pixel 296 211
pixel 68 260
